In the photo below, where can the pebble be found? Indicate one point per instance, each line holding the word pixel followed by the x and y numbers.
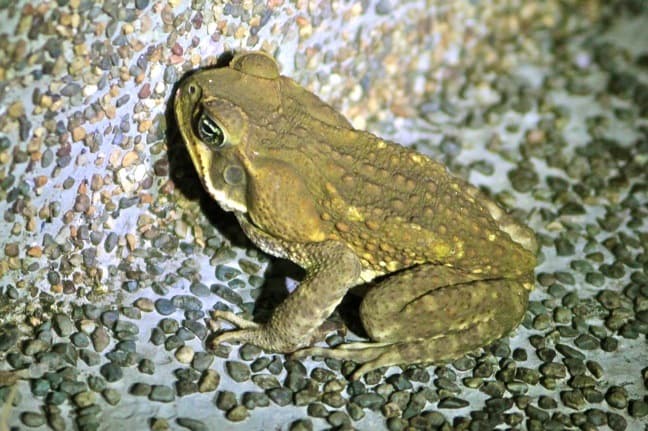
pixel 302 425
pixel 225 400
pixel 112 396
pixel 63 325
pixel 111 372
pixel 192 424
pixel 165 306
pixel 184 354
pixel 202 361
pixel 161 393
pixel 32 419
pixel 638 408
pixel 453 403
pixel 141 389
pixel 369 400
pixel 281 396
pixel 209 381
pixel 84 399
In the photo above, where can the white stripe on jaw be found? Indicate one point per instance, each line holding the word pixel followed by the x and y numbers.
pixel 224 201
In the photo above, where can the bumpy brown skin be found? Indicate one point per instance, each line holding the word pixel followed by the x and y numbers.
pixel 350 207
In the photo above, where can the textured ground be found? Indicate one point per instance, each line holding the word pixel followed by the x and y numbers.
pixel 111 256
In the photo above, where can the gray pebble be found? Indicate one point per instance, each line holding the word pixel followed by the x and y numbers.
pixel 161 393
pixel 56 398
pixel 33 347
pixel 96 383
pixel 140 389
pixel 369 401
pixel 40 387
pixel 249 351
pixel 265 381
pixel 186 387
pixel 616 422
pixel 199 289
pixel 226 273
pixel 197 328
pixel 202 361
pixel 453 403
pixel 157 336
pixel 238 371
pixel 227 294
pixel 192 424
pixel 307 395
pixel 184 334
pixel 617 397
pixel 146 366
pixel 123 326
pixel 252 400
pixel 80 339
pixel 109 318
pixel 317 410
pixel 260 364
pixel 111 372
pixel 32 419
pixel 333 399
pixel 112 396
pixel 8 337
pixel 573 399
pixel 187 302
pixel 165 306
pixel 173 342
pixel 302 425
pixel 281 396
pixel 168 325
pixel 638 408
pixel 339 419
pixel 170 75
pixel 383 7
pixel 63 325
pixel 225 400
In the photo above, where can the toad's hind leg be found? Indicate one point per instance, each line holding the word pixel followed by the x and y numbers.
pixel 431 314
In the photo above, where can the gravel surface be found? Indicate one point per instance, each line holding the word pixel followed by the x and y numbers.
pixel 112 256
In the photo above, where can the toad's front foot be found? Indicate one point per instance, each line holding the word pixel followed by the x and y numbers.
pixel 263 336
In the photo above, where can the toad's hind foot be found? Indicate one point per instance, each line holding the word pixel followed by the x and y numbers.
pixel 248 331
pixel 377 355
pixel 232 318
pixel 370 355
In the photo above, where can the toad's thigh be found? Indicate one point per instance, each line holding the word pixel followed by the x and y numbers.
pixel 426 301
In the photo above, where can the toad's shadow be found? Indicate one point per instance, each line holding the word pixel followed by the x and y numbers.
pixel 186 180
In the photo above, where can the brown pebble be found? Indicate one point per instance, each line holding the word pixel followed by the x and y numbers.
pixel 16 110
pixel 41 180
pixel 209 381
pixel 145 91
pixel 144 304
pixel 78 133
pixel 35 251
pixel 130 159
pixel 11 249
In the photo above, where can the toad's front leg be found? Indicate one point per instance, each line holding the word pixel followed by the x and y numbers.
pixel 332 269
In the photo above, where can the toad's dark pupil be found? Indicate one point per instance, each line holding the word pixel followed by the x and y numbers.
pixel 209 132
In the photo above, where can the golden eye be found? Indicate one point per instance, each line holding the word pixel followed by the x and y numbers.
pixel 209 132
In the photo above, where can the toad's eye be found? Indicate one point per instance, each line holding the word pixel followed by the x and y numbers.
pixel 209 132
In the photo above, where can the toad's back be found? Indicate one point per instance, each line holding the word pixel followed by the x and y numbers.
pixel 398 208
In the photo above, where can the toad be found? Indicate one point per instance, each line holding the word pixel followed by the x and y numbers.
pixel 447 270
